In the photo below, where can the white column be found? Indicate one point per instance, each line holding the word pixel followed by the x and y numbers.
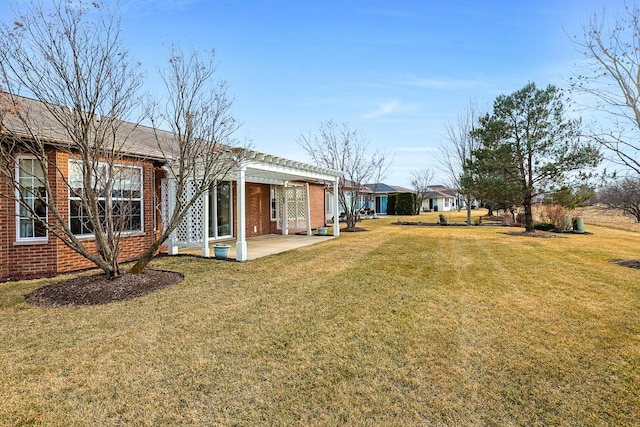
pixel 241 235
pixel 309 232
pixel 285 208
pixel 205 224
pixel 172 248
pixel 336 217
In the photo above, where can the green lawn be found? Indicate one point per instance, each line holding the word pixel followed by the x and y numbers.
pixel 398 325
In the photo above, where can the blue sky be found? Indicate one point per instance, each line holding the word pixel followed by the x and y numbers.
pixel 395 70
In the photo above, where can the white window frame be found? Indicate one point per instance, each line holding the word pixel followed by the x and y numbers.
pixel 19 238
pixel 141 198
pixel 273 200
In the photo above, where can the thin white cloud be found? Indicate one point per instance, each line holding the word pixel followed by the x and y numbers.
pixel 383 110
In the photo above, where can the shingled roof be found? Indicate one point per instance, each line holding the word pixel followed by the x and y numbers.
pixel 133 139
pixel 436 191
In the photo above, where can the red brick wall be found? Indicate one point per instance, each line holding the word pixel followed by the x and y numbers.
pixel 22 259
pixel 27 260
pixel 316 196
pixel 131 246
pixel 5 219
pixel 258 209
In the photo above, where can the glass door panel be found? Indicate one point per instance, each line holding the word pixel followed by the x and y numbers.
pixel 223 211
pixel 220 219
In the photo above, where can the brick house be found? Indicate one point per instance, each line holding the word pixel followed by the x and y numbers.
pixel 264 195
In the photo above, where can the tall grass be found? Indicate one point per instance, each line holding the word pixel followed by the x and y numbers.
pixel 399 325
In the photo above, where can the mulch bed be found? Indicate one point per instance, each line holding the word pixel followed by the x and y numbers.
pixel 631 263
pixel 97 289
pixel 352 229
pixel 533 234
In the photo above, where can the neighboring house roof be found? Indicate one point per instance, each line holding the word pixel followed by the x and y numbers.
pixel 437 191
pixel 402 189
pixel 382 188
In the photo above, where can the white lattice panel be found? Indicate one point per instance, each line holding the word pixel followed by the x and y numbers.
pixel 189 232
pixel 197 219
pixel 296 207
pixel 164 203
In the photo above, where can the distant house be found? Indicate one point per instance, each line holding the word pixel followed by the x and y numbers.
pixel 379 195
pixel 440 198
pixel 331 200
pixel 372 197
pixel 264 195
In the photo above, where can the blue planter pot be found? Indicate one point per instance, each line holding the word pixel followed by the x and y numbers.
pixel 221 251
pixel 322 231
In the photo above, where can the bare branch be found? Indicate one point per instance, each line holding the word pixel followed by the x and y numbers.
pixel 336 146
pixel 610 80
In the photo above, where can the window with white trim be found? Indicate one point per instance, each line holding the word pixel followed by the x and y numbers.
pixel 274 204
pixel 126 198
pixel 31 199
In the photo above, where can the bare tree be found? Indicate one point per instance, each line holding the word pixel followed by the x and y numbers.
pixel 610 78
pixel 343 149
pixel 421 182
pixel 623 195
pixel 459 150
pixel 202 150
pixel 69 58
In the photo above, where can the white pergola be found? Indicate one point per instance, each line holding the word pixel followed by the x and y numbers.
pixel 258 168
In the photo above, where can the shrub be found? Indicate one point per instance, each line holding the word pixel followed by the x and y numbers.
pixel 391 204
pixel 405 204
pixel 443 219
pixel 544 226
pixel 555 214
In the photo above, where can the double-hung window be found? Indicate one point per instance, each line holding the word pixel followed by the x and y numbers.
pixel 125 201
pixel 31 199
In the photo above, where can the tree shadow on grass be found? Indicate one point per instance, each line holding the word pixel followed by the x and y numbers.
pixel 631 263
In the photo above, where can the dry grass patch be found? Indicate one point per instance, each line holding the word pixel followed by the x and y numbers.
pixel 396 326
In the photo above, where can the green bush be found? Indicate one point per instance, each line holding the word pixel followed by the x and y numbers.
pixel 391 204
pixel 544 226
pixel 405 204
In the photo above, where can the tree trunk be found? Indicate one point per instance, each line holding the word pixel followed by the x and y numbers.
pixel 528 217
pixel 146 257
pixel 351 220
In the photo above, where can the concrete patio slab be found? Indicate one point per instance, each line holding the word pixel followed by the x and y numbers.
pixel 261 246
